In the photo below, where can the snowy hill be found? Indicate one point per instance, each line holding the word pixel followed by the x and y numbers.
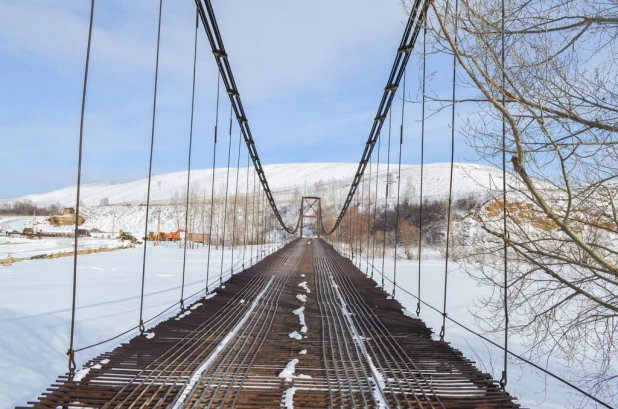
pixel 289 182
pixel 286 180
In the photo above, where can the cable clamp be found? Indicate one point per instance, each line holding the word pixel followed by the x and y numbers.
pixel 406 49
pixel 219 53
pixel 142 328
pixel 503 381
pixel 72 365
pixel 392 87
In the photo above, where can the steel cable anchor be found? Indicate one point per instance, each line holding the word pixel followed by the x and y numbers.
pixel 72 364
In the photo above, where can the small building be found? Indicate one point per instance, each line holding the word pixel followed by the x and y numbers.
pixel 199 237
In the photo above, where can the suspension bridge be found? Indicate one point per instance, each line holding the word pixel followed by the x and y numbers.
pixel 302 326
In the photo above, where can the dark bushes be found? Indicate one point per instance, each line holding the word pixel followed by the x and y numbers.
pixel 27 208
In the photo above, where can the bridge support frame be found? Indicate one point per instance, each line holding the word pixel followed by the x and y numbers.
pixel 311 208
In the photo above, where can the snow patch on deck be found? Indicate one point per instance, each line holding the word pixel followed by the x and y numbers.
pixel 288 398
pixel 295 335
pixel 304 286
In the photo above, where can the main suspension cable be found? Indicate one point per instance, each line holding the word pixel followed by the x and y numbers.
pixel 184 255
pixel 415 22
pixel 216 42
pixel 154 117
pixel 71 352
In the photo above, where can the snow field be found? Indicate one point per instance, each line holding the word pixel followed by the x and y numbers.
pixel 35 307
pixel 20 247
pixel 35 302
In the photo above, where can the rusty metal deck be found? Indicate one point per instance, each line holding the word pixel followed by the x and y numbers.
pixel 359 350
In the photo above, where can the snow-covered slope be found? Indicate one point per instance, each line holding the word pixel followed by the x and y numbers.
pixel 286 180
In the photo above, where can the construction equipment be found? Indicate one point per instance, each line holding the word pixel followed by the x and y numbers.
pixel 152 236
pixel 125 235
pixel 175 236
pixel 67 218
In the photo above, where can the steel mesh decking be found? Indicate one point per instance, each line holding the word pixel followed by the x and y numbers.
pixel 361 351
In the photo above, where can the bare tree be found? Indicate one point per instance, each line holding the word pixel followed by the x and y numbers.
pixel 555 91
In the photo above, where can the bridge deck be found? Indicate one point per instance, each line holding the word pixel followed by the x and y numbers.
pixel 358 350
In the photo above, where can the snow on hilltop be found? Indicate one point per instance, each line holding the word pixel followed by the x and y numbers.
pixel 286 180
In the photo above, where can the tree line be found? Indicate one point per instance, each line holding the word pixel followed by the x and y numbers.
pixel 27 208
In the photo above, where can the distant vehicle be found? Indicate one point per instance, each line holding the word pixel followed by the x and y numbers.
pixel 175 236
pixel 12 232
pixel 125 235
pixel 153 236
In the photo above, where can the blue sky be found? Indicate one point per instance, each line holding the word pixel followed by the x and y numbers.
pixel 311 76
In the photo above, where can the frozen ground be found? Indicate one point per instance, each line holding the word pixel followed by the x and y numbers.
pixel 35 307
pixel 21 247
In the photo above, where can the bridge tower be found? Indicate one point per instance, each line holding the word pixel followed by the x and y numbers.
pixel 311 208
